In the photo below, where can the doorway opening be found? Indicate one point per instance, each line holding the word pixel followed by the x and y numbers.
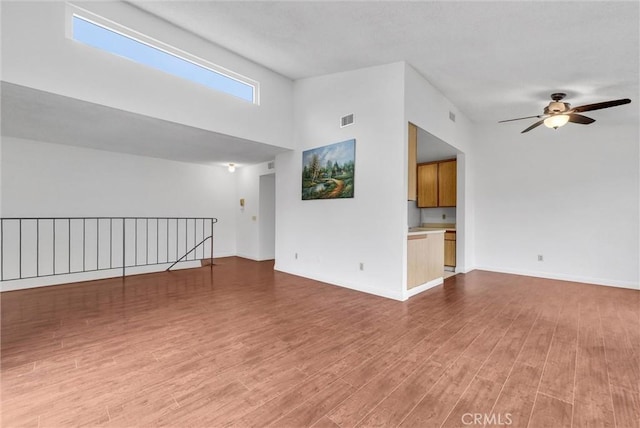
pixel 267 218
pixel 439 167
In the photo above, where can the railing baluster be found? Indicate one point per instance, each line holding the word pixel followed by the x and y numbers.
pixel 97 243
pixel 135 262
pixel 110 243
pixel 54 245
pixel 84 244
pixel 124 245
pixel 37 247
pixel 146 235
pixel 211 249
pixel 20 251
pixel 69 256
pixel 157 240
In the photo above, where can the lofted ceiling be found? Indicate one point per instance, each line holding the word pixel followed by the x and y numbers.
pixel 494 60
pixel 42 116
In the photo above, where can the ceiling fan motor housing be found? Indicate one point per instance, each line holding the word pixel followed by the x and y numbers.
pixel 557 107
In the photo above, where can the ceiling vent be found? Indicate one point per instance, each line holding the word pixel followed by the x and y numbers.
pixel 346 120
pixel 271 165
pixel 452 116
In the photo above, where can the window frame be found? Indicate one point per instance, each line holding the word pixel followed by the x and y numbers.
pixel 77 12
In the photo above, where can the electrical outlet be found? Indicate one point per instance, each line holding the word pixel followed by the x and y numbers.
pixel 361 266
pixel 444 216
pixel 296 256
pixel 540 258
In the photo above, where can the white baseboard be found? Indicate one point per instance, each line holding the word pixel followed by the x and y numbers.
pixel 255 259
pixel 563 277
pixel 424 287
pixel 223 254
pixel 23 284
pixel 369 290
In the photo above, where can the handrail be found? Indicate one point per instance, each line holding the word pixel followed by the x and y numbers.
pixel 189 252
pixel 35 247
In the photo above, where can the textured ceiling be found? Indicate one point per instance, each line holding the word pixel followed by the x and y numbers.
pixel 42 116
pixel 493 60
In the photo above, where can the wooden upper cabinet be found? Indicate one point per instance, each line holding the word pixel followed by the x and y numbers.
pixel 437 184
pixel 412 167
pixel 447 172
pixel 428 185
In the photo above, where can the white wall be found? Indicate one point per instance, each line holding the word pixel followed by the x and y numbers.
pixel 248 219
pixel 427 108
pixel 43 179
pixel 571 195
pixel 331 237
pixel 434 215
pixel 413 214
pixel 36 53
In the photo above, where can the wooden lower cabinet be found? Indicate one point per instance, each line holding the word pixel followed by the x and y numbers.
pixel 450 249
pixel 425 258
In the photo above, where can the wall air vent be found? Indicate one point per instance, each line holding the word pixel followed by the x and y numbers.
pixel 271 165
pixel 346 120
pixel 452 116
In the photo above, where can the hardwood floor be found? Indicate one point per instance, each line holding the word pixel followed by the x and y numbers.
pixel 243 346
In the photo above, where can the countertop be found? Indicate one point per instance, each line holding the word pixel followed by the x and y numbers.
pixel 424 230
pixel 432 228
pixel 449 227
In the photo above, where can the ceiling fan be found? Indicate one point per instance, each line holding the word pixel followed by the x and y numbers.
pixel 558 113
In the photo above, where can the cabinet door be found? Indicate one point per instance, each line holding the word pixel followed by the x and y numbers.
pixel 428 185
pixel 447 172
pixel 417 271
pixel 412 166
pixel 450 253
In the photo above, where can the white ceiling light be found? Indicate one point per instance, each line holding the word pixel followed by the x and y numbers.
pixel 556 121
pixel 232 167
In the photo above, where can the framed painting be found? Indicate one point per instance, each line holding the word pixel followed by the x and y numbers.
pixel 328 171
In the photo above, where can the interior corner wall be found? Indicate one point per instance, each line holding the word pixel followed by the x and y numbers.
pixel 50 180
pixel 247 217
pixel 570 195
pixel 37 54
pixel 332 237
pixel 429 109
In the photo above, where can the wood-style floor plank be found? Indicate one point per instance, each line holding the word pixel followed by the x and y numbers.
pixel 435 406
pixel 241 345
pixel 478 399
pixel 397 405
pixel 551 412
pixel 626 406
pixel 559 372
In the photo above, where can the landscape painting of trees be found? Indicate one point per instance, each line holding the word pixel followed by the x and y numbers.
pixel 328 171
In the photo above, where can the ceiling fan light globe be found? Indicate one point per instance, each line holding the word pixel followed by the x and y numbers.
pixel 556 121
